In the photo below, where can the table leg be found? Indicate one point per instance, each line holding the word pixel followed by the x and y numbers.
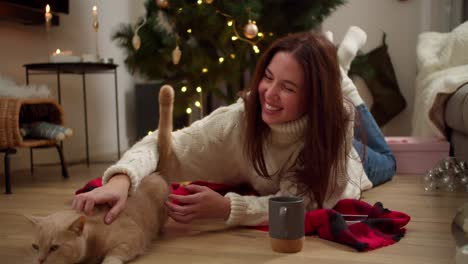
pixel 86 118
pixel 27 76
pixel 31 160
pixel 7 170
pixel 59 94
pixel 117 113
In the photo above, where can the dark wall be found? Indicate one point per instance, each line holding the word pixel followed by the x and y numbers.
pixel 147 109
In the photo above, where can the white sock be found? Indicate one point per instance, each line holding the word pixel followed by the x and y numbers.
pixel 349 89
pixel 329 35
pixel 354 39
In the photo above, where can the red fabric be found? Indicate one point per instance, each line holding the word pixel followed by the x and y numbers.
pixel 380 228
pixel 92 184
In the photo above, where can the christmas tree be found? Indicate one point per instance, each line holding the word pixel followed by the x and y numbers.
pixel 207 47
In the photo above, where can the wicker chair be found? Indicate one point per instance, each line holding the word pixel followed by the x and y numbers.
pixel 14 112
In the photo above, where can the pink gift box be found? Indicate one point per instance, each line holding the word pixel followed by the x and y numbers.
pixel 416 155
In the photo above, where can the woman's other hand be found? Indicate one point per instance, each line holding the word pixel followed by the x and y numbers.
pixel 202 203
pixel 114 193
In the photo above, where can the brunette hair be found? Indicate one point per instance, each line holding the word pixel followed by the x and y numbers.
pixel 323 157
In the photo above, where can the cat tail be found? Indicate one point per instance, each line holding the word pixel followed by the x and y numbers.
pixel 165 127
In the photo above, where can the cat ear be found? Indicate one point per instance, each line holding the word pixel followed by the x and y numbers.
pixel 78 225
pixel 33 219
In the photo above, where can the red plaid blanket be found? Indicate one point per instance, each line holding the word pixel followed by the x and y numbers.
pixel 375 226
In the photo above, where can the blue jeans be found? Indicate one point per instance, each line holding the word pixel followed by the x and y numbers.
pixel 378 160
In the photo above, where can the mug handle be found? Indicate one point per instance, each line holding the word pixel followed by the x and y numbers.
pixel 283 211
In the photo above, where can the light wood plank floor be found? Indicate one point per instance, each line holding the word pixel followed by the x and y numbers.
pixel 428 238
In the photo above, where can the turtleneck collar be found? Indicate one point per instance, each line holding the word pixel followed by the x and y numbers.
pixel 288 133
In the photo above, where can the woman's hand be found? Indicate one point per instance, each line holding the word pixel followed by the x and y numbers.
pixel 203 203
pixel 114 193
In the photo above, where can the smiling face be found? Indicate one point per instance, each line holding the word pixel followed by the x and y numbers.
pixel 281 90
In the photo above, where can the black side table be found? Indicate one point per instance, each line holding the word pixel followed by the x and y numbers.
pixel 78 69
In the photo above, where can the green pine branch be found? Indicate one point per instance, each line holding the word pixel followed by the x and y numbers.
pixel 209 39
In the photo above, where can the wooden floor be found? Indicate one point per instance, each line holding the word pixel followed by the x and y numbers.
pixel 428 238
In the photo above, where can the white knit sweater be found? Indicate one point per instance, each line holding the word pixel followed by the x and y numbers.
pixel 211 149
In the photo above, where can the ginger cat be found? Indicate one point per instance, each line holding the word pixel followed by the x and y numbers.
pixel 69 237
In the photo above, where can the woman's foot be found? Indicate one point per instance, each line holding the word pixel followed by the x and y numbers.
pixel 354 39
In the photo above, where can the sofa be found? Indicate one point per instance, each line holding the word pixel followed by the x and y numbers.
pixel 456 119
pixel 441 88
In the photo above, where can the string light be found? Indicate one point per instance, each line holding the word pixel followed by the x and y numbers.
pixel 150 132
pixel 189 31
pixel 199 89
pixel 204 70
pixel 232 55
pixel 183 89
pixel 199 2
pixel 260 34
pixel 197 104
pixel 188 110
pixel 233 38
pixel 221 59
pixel 229 23
pixel 256 49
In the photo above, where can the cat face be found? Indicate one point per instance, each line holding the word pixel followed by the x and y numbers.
pixel 59 238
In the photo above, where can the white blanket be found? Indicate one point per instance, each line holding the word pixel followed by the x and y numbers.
pixel 442 69
pixel 8 88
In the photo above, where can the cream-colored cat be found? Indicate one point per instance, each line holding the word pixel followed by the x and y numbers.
pixel 69 237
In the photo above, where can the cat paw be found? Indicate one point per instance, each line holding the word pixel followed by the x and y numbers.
pixel 112 260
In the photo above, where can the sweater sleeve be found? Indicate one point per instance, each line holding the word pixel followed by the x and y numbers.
pixel 140 160
pixel 191 143
pixel 253 210
pixel 248 210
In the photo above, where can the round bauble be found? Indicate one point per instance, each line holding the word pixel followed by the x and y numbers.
pixel 250 30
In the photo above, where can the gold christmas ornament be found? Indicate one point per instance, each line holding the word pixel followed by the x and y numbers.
pixel 136 41
pixel 176 54
pixel 250 30
pixel 162 3
pixel 96 25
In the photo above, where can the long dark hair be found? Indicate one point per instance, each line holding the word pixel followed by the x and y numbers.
pixel 323 157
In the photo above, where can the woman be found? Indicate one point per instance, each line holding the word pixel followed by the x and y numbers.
pixel 291 134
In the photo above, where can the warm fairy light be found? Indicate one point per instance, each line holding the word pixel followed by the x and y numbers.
pixel 189 30
pixel 270 34
pixel 183 89
pixel 233 38
pixel 260 34
pixel 232 55
pixel 199 2
pixel 256 49
pixel 188 110
pixel 229 23
pixel 150 132
pixel 94 9
pixel 57 51
pixel 205 70
pixel 48 17
pixel 199 89
pixel 197 104
pixel 221 59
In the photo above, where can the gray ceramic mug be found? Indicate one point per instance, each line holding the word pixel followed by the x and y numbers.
pixel 286 223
